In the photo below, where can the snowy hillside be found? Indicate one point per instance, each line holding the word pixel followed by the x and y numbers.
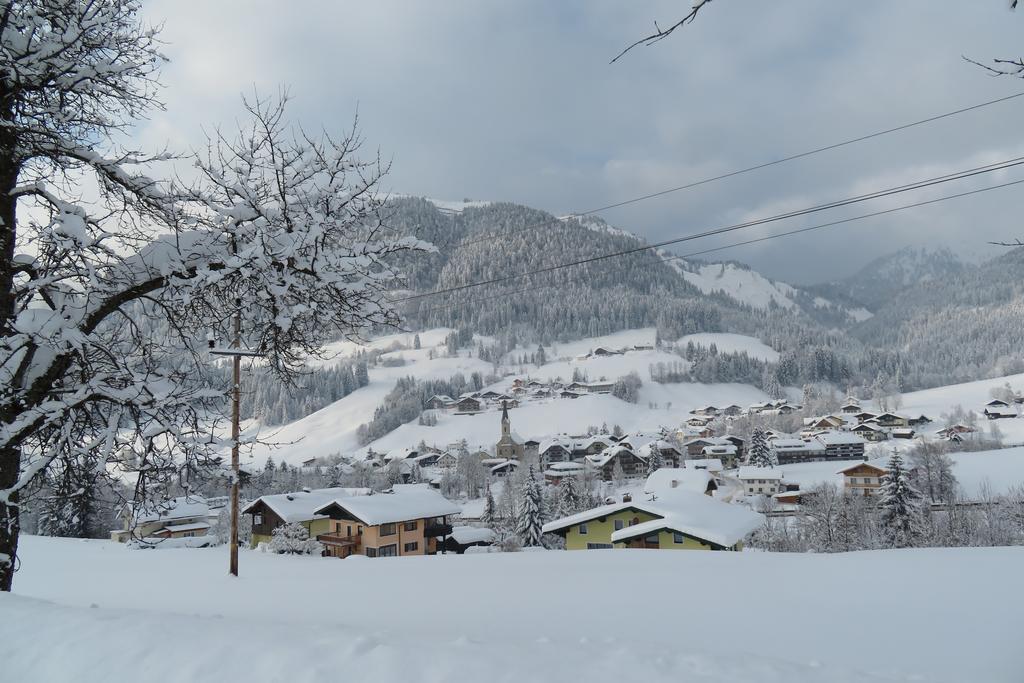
pixel 333 429
pixel 298 618
pixel 886 277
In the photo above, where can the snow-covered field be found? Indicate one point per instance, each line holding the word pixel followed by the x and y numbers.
pixel 333 428
pixel 997 471
pixel 537 419
pixel 970 395
pixel 96 611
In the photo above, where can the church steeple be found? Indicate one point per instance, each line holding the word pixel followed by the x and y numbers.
pixel 506 425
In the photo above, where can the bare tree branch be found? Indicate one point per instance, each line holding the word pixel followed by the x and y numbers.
pixel 660 33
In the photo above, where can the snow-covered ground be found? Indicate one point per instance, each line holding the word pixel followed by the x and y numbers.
pixel 333 428
pixel 971 396
pixel 997 471
pixel 623 615
pixel 537 419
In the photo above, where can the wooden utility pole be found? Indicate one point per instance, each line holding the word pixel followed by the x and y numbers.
pixel 236 396
pixel 236 352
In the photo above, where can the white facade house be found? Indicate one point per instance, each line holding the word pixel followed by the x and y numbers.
pixel 760 480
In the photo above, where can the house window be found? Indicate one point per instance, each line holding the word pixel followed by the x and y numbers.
pixel 371 552
pixel 257 519
pixel 410 526
pixel 583 529
pixel 618 524
pixel 410 547
pixel 388 550
pixel 599 546
pixel 387 530
pixel 677 537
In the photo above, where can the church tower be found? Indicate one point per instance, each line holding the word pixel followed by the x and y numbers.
pixel 508 446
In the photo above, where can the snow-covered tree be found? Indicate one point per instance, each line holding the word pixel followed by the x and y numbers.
pixel 900 506
pixel 569 499
pixel 293 539
pixel 933 472
pixel 105 304
pixel 760 452
pixel 530 511
pixel 416 341
pixel 490 513
pixel 654 460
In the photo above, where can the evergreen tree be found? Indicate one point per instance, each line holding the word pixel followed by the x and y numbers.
pixel 760 453
pixel 569 500
pixel 490 515
pixel 362 374
pixel 531 512
pixel 900 506
pixel 654 460
pixel 416 342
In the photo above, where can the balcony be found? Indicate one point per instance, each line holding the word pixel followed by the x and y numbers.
pixel 434 529
pixel 338 540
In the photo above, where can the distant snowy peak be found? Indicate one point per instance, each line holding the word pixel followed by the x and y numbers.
pixel 745 285
pixel 879 281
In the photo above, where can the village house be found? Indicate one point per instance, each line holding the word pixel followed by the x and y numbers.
pixel 999 412
pixel 468 404
pixel 862 478
pixel 464 537
pixel 630 463
pixel 890 420
pixel 870 432
pixel 440 402
pixel 760 480
pixel 558 471
pixel 851 405
pixel 499 467
pixel 271 512
pixel 956 432
pixel 903 433
pixel 184 517
pixel 842 445
pixel 675 519
pixel 404 521
pixel 791 450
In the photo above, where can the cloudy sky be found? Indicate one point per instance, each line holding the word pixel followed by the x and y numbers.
pixel 517 101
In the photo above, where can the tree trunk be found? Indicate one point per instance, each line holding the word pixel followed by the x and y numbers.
pixel 10 461
pixel 10 458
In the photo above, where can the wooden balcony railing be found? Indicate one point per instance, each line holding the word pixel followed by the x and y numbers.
pixel 338 539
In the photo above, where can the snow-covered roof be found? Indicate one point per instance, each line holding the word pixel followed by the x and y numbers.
pixel 183 507
pixel 696 515
pixel 668 479
pixel 748 472
pixel 860 463
pixel 301 506
pixel 1002 411
pixel 194 526
pixel 709 464
pixel 727 449
pixel 464 535
pixel 563 467
pixel 838 438
pixel 401 505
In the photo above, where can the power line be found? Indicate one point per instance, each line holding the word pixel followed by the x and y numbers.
pixel 749 169
pixel 692 254
pixel 959 175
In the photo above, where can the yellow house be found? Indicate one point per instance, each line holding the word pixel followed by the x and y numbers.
pixel 671 519
pixel 407 520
